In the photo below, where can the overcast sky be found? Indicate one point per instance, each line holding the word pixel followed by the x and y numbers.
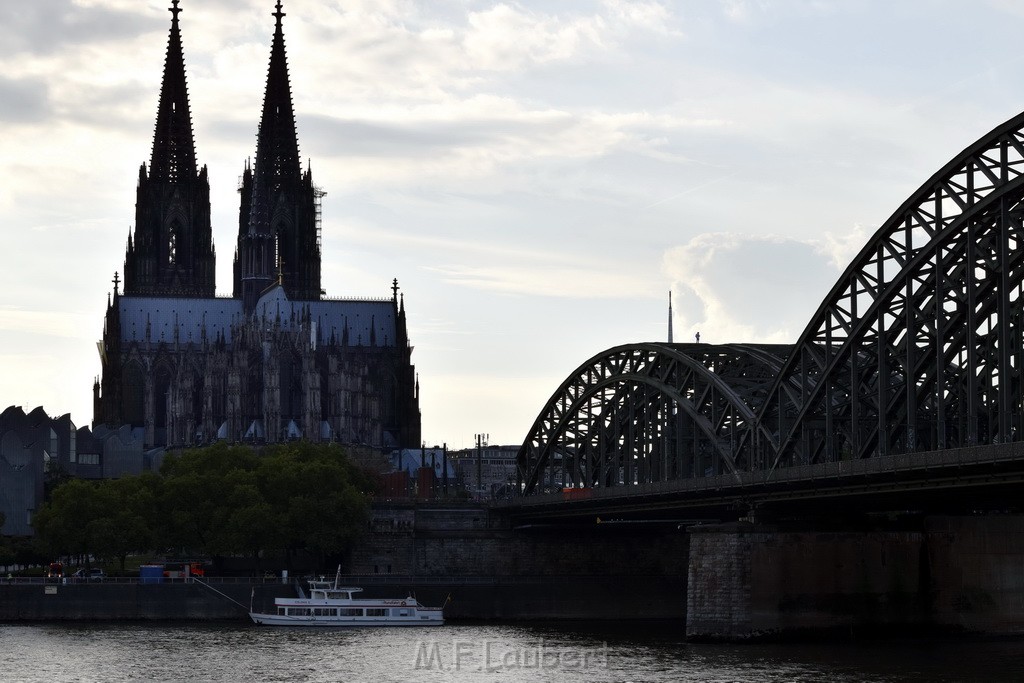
pixel 537 175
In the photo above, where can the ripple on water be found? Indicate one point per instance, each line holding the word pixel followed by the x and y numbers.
pixel 113 653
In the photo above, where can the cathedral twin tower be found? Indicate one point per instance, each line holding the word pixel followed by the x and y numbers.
pixel 274 361
pixel 172 252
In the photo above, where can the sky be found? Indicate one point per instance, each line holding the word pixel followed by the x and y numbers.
pixel 537 175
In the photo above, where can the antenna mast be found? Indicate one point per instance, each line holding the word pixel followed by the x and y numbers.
pixel 670 316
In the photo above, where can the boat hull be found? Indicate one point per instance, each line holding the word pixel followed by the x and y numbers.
pixel 320 621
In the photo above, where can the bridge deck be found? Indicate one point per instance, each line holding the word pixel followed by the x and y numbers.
pixel 887 480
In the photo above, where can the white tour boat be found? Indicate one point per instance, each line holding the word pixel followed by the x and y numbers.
pixel 329 604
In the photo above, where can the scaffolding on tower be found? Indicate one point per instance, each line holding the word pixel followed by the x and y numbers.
pixel 318 196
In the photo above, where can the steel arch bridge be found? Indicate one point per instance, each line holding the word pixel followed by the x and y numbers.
pixel 918 347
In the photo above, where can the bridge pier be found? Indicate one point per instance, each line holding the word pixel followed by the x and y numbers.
pixel 718 582
pixel 942 573
pixel 977 572
pixel 749 581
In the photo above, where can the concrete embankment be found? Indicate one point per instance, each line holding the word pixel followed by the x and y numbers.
pixel 113 600
pixel 468 598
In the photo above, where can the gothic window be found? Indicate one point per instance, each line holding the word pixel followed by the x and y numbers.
pixel 278 256
pixel 172 243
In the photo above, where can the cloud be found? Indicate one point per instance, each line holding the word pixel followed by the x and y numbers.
pixel 23 100
pixel 742 11
pixel 42 27
pixel 841 249
pixel 652 16
pixel 507 38
pixel 478 136
pixel 564 281
pixel 745 288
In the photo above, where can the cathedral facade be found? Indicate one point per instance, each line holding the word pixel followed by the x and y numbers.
pixel 274 361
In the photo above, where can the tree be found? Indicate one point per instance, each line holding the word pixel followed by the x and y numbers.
pixel 126 518
pixel 219 500
pixel 62 524
pixel 107 518
pixel 322 498
pixel 198 495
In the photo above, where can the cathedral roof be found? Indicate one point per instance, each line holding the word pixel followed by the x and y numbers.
pixel 174 153
pixel 361 322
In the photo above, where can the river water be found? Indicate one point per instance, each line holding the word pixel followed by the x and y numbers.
pixel 51 653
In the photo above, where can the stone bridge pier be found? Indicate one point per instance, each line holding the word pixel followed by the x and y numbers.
pixel 939 573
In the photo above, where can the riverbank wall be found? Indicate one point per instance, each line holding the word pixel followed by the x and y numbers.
pixel 466 598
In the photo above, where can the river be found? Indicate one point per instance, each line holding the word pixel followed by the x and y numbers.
pixel 50 653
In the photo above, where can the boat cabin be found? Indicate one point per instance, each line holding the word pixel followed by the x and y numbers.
pixel 325 590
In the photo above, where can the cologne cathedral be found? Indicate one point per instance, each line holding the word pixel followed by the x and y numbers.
pixel 274 361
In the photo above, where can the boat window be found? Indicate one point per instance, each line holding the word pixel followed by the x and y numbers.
pixel 350 612
pixel 299 612
pixel 281 611
pixel 325 612
pixel 400 612
pixel 373 612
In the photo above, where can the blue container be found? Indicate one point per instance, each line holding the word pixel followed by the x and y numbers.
pixel 151 573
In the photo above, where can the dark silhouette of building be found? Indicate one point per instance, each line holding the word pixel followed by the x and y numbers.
pixel 274 361
pixel 36 448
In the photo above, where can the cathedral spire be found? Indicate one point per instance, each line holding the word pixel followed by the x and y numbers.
pixel 277 145
pixel 171 250
pixel 279 224
pixel 174 154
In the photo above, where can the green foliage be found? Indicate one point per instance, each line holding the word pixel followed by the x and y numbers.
pixel 127 519
pixel 61 524
pixel 20 550
pixel 319 496
pixel 219 500
pixel 199 490
pixel 108 518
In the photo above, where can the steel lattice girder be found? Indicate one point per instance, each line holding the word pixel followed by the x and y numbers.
pixel 650 412
pixel 918 346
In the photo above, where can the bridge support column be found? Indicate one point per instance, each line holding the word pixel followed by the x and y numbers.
pixel 719 578
pixel 755 581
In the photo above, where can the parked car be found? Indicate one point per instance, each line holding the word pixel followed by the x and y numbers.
pixel 55 570
pixel 94 574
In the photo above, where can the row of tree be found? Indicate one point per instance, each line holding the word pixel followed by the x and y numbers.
pixel 216 501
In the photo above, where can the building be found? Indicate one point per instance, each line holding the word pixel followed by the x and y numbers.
pixel 486 471
pixel 274 361
pixel 422 473
pixel 36 448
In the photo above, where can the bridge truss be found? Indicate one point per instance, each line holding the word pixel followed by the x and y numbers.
pixel 919 346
